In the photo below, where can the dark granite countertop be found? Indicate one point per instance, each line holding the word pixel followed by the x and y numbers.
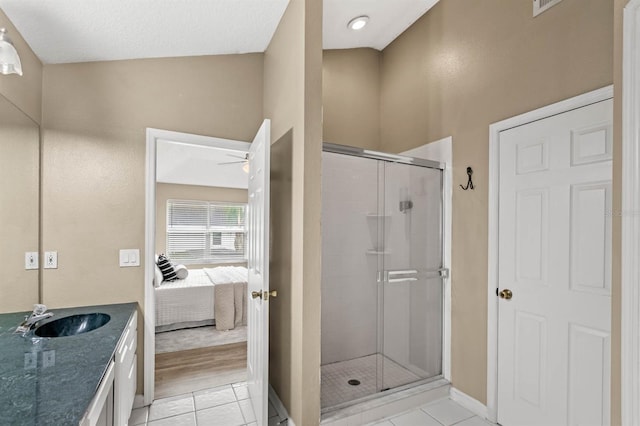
pixel 58 390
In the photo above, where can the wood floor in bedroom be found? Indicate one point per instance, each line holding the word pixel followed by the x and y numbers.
pixel 187 371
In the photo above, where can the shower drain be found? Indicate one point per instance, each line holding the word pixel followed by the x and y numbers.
pixel 354 382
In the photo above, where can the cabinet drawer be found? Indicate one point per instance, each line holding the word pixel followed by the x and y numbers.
pixel 125 357
pixel 129 335
pixel 127 346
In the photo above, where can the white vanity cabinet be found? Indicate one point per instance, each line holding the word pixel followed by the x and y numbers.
pixel 124 390
pixel 112 403
pixel 100 411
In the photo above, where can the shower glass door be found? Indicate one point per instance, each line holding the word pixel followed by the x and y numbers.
pixel 350 247
pixel 411 278
pixel 382 288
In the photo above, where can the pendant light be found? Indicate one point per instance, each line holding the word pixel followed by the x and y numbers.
pixel 9 59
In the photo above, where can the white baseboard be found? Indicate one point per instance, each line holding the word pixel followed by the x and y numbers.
pixel 279 406
pixel 471 404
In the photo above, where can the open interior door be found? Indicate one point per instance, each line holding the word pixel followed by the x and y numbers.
pixel 258 265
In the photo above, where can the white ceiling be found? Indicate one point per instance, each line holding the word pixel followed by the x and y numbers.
pixel 188 164
pixel 64 31
pixel 387 20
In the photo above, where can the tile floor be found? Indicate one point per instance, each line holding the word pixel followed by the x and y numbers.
pixel 227 405
pixel 367 369
pixel 443 412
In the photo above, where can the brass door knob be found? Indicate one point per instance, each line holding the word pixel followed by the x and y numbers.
pixel 264 294
pixel 506 294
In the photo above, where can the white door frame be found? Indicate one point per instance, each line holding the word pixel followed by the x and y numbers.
pixel 153 137
pixel 630 215
pixel 494 198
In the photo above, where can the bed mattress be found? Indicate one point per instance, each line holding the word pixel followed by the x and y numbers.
pixel 187 300
pixel 227 274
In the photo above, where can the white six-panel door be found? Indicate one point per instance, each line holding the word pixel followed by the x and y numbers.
pixel 555 257
pixel 258 266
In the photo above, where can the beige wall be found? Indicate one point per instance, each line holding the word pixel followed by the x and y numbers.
pixel 283 89
pixel 20 115
pixel 169 191
pixel 293 101
pixel 93 161
pixel 461 67
pixel 351 97
pixel 25 92
pixel 281 324
pixel 19 207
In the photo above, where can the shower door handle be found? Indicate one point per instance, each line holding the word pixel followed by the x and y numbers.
pixel 401 280
pixel 404 275
pixel 402 272
pixel 400 275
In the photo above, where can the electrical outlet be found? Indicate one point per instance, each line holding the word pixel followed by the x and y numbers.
pixel 50 260
pixel 48 358
pixel 31 260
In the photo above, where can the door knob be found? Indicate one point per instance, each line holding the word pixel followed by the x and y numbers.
pixel 264 294
pixel 506 294
pixel 268 294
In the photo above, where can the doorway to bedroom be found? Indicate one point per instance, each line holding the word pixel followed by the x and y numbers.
pixel 200 283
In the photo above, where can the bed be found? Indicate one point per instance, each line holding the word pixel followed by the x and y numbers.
pixel 191 302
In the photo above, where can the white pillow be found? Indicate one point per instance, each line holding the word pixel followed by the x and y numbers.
pixel 181 272
pixel 157 280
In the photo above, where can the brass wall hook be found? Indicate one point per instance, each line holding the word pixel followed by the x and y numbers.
pixel 469 182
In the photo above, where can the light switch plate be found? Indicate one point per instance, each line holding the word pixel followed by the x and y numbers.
pixel 129 257
pixel 50 260
pixel 31 260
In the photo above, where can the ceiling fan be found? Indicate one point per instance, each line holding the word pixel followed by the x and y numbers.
pixel 244 159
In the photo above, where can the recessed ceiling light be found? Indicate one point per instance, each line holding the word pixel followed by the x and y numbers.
pixel 358 23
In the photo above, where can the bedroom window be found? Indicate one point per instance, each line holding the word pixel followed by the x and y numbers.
pixel 205 232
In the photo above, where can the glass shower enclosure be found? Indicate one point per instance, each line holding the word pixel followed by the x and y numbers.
pixel 382 273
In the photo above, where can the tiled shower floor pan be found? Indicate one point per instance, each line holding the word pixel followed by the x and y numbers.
pixel 335 387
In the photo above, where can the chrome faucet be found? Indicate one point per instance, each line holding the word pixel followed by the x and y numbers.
pixel 39 313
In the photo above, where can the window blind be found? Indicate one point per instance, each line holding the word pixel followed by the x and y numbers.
pixel 205 232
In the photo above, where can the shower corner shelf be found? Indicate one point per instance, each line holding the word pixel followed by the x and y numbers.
pixel 372 251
